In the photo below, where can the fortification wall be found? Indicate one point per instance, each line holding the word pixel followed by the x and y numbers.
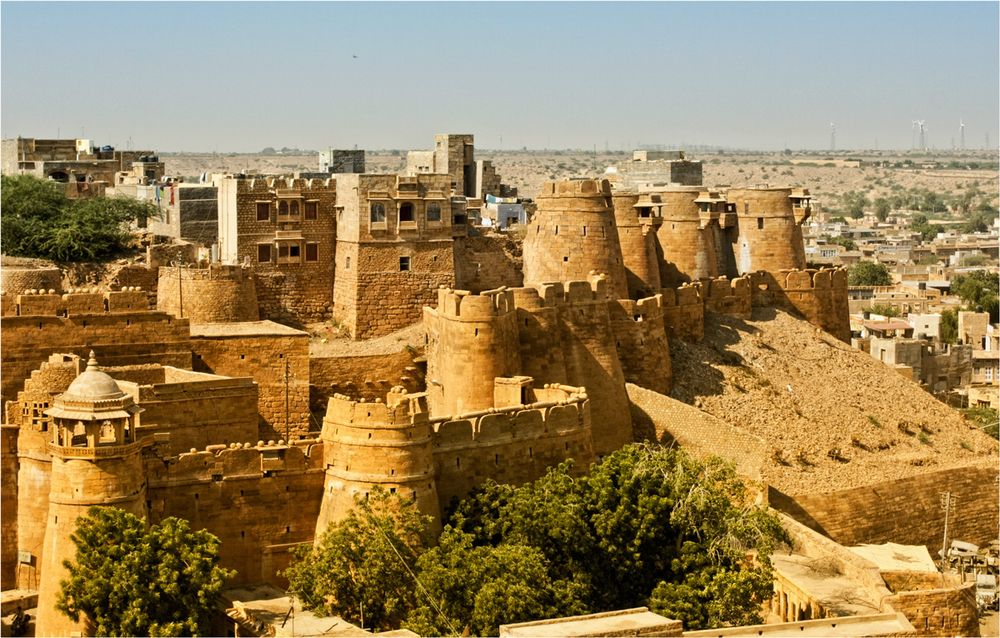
pixel 14 280
pixel 487 262
pixel 512 445
pixel 641 341
pixel 539 334
pixel 726 296
pixel 196 413
pixel 218 293
pixel 259 501
pixel 687 243
pixel 638 245
pixel 365 377
pixel 471 340
pixel 369 445
pixel 768 236
pixel 684 312
pixel 906 511
pixel 935 604
pixel 819 295
pixel 573 234
pixel 669 421
pixel 8 506
pixel 265 352
pixel 373 297
pixel 118 338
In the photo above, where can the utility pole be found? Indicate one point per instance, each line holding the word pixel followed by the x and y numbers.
pixel 180 292
pixel 287 442
pixel 947 504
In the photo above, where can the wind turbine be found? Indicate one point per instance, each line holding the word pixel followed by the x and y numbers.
pixel 923 133
pixel 913 135
pixel 833 136
pixel 961 134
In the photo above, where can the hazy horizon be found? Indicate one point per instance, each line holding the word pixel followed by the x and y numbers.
pixel 239 77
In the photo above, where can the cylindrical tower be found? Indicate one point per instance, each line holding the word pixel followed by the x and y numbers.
pixel 540 333
pixel 471 340
pixel 686 238
pixel 637 220
pixel 769 236
pixel 96 461
pixel 572 234
pixel 368 445
pixel 217 294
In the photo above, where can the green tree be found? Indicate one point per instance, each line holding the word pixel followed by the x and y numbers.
pixel 985 418
pixel 133 581
pixel 855 204
pixel 869 273
pixel 978 290
pixel 846 242
pixel 40 221
pixel 885 310
pixel 920 224
pixel 949 326
pixel 882 208
pixel 363 566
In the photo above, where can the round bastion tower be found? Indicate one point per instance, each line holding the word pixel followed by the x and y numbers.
pixel 770 232
pixel 573 235
pixel 688 242
pixel 637 222
pixel 96 461
pixel 375 444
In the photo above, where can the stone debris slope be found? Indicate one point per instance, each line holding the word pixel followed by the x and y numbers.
pixel 833 417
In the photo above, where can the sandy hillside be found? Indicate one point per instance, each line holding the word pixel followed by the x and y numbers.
pixel 833 417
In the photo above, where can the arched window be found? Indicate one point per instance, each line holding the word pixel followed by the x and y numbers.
pixel 378 212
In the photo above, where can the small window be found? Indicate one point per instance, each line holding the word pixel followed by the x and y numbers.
pixel 312 210
pixel 760 223
pixel 263 212
pixel 433 212
pixel 404 264
pixel 378 213
pixel 347 266
pixel 263 253
pixel 312 252
pixel 293 209
pixel 406 212
pixel 282 209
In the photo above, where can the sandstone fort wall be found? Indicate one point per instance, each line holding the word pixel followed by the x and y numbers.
pixel 688 244
pixel 365 377
pixel 481 263
pixel 260 501
pixel 768 236
pixel 819 295
pixel 265 352
pixel 935 604
pixel 218 293
pixel 15 280
pixel 684 312
pixel 641 341
pixel 638 246
pixel 905 511
pixel 727 296
pixel 8 506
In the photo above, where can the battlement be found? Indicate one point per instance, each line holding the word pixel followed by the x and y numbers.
pixel 551 295
pixel 400 410
pixel 819 295
pixel 76 301
pixel 213 272
pixel 576 188
pixel 684 312
pixel 268 184
pixel 558 409
pixel 725 295
pixel 821 279
pixel 645 309
pixel 462 305
pixel 239 460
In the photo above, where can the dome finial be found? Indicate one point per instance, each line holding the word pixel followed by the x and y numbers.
pixel 92 363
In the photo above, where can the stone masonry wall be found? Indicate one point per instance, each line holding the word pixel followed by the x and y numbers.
pixel 264 357
pixel 14 280
pixel 364 377
pixel 819 295
pixel 8 506
pixel 126 338
pixel 218 293
pixel 906 511
pixel 947 609
pixel 482 263
pixel 259 501
pixel 684 312
pixel 727 296
pixel 641 341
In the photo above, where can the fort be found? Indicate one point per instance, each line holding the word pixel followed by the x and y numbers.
pixel 209 409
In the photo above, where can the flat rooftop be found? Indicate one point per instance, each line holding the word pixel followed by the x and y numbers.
pixel 245 329
pixel 893 624
pixel 625 622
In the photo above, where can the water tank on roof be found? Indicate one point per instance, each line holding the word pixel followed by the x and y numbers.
pixel 107 148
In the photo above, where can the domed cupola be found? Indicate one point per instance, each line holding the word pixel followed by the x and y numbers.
pixel 93 412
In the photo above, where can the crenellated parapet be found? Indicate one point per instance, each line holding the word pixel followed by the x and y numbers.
pixel 266 184
pixel 461 305
pixel 220 293
pixel 726 296
pixel 641 341
pixel 225 461
pixel 36 302
pixel 819 295
pixel 684 312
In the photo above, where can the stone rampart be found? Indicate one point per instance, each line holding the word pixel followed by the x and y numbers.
pixel 906 511
pixel 118 338
pixel 217 294
pixel 935 604
pixel 259 500
pixel 513 444
pixel 76 301
pixel 641 341
pixel 684 312
pixel 14 280
pixel 8 506
pixel 726 296
pixel 818 295
pixel 688 240
pixel 638 244
pixel 363 376
pixel 701 434
pixel 769 233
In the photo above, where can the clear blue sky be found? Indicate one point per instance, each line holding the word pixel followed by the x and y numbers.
pixel 239 76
